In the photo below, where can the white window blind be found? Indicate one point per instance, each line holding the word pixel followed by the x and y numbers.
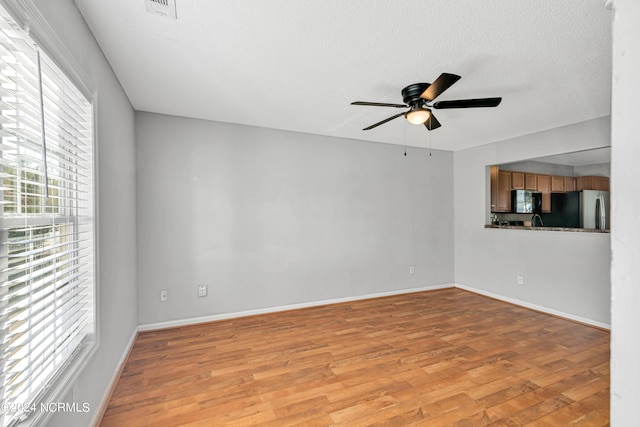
pixel 46 222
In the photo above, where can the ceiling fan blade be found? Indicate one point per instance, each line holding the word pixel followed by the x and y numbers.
pixel 432 123
pixel 384 121
pixel 379 104
pixel 468 103
pixel 441 84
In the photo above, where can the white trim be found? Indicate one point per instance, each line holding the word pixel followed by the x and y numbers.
pixel 27 15
pixel 212 318
pixel 104 400
pixel 96 226
pixel 536 307
pixel 60 386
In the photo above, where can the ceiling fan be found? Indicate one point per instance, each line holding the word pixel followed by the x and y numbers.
pixel 419 97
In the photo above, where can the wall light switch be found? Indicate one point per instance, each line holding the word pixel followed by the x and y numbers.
pixel 164 295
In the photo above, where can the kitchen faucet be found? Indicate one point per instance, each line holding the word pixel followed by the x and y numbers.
pixel 533 220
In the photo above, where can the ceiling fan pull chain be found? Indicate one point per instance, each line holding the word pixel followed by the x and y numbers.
pixel 404 127
pixel 430 126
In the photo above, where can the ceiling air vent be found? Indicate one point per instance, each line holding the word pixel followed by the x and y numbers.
pixel 166 8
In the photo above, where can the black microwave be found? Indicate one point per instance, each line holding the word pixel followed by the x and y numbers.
pixel 526 201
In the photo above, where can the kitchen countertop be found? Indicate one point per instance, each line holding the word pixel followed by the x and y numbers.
pixel 520 227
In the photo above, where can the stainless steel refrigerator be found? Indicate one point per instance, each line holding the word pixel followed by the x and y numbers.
pixel 594 209
pixel 579 209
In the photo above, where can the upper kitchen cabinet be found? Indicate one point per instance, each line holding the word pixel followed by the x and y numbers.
pixel 500 190
pixel 600 183
pixel 543 183
pixel 570 183
pixel 530 181
pixel 557 184
pixel 523 181
pixel 517 180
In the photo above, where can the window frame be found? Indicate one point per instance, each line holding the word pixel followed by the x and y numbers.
pixel 27 16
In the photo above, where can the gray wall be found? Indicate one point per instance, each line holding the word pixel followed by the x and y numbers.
pixel 539 167
pixel 117 298
pixel 564 272
pixel 600 169
pixel 625 271
pixel 269 218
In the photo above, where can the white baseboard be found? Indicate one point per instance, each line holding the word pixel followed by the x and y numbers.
pixel 104 401
pixel 536 307
pixel 212 318
pixel 204 319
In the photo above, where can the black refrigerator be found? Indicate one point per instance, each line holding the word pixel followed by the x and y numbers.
pixel 579 209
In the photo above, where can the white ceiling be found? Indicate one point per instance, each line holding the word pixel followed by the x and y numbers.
pixel 296 65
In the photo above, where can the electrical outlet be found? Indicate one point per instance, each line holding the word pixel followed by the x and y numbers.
pixel 412 270
pixel 202 290
pixel 520 280
pixel 164 295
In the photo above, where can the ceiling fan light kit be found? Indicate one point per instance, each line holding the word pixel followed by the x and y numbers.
pixel 418 116
pixel 419 97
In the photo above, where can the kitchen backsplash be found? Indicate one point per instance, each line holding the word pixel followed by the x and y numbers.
pixel 512 217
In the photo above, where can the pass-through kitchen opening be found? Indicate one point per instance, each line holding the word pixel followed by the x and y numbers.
pixel 569 192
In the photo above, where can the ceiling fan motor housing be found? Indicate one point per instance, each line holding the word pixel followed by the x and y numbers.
pixel 411 94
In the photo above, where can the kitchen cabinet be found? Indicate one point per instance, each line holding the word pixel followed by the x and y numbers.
pixel 600 183
pixel 500 190
pixel 502 182
pixel 503 202
pixel 494 186
pixel 584 183
pixel 517 180
pixel 569 183
pixel 557 184
pixel 530 181
pixel 543 184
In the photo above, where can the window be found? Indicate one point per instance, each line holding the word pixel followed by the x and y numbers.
pixel 47 308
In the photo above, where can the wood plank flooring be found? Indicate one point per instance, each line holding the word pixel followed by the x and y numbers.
pixel 438 358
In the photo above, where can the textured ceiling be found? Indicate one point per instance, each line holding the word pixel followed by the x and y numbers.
pixel 296 65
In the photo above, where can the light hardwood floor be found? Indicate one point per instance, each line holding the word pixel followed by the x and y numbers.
pixel 436 358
